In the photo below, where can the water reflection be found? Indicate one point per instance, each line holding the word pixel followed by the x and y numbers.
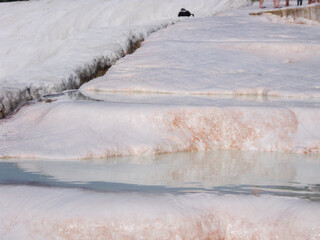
pixel 219 171
pixel 183 99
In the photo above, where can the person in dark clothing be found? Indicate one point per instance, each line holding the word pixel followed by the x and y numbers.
pixel 185 13
pixel 299 2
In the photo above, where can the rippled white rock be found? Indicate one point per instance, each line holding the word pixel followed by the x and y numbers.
pixel 40 213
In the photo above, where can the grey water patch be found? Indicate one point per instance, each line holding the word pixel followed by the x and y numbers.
pixel 11 175
pixel 200 100
pixel 218 172
pixel 69 95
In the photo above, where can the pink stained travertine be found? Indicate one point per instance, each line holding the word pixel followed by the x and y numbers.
pixel 48 213
pixel 101 129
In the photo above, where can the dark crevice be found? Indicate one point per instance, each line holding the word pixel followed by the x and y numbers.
pixel 102 65
pixel 96 68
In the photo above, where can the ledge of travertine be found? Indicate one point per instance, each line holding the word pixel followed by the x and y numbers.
pixel 311 12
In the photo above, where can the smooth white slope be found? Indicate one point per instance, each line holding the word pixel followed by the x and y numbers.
pixel 46 26
pixel 228 54
pixel 50 45
pixel 128 126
